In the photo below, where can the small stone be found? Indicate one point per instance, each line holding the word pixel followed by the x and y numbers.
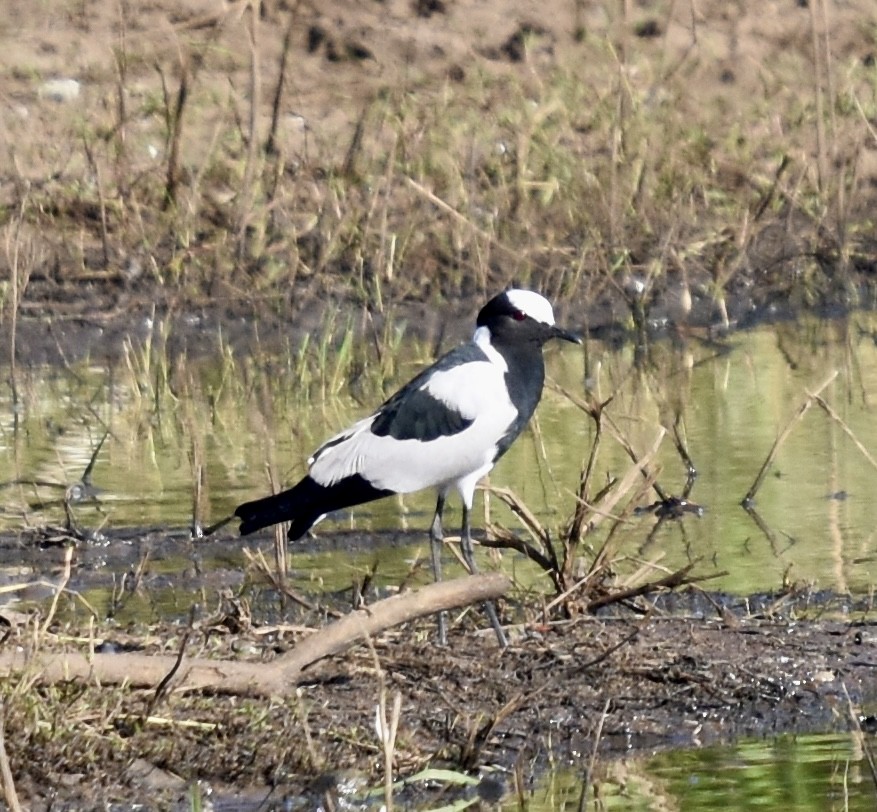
pixel 60 90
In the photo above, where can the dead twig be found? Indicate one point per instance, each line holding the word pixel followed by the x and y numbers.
pixel 846 429
pixel 62 584
pixel 174 124
pixel 671 581
pixel 278 580
pixel 863 742
pixel 617 435
pixel 271 141
pixel 504 539
pixel 598 734
pixel 576 526
pixel 9 793
pixel 161 690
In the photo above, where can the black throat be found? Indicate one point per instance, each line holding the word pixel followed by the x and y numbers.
pixel 524 379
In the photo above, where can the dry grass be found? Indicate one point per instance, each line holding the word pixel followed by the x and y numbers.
pixel 572 159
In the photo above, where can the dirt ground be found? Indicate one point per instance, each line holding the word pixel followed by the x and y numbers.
pixel 687 671
pixel 105 261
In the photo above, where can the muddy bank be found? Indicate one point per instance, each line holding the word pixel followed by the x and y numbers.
pixel 674 670
pixel 198 332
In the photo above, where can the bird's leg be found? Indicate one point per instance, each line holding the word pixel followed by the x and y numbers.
pixel 436 539
pixel 469 558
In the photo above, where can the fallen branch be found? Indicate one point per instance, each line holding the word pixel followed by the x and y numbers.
pixel 274 678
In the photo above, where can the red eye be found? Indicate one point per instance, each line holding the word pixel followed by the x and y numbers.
pixel 519 315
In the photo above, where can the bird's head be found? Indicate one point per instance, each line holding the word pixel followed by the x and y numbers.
pixel 522 316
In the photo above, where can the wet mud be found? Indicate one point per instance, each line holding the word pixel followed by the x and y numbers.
pixel 676 669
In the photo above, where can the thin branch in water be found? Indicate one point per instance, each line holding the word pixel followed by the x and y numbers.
pixel 846 429
pixel 86 474
pixel 575 532
pixel 860 735
pixel 682 450
pixel 589 773
pixel 616 433
pixel 783 436
pixel 19 272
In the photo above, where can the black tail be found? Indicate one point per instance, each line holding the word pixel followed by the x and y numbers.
pixel 304 503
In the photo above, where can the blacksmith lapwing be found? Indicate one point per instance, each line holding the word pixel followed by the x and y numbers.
pixel 445 430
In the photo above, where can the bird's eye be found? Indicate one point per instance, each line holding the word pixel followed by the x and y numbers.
pixel 519 315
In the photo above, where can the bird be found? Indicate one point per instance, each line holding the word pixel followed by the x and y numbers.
pixel 445 429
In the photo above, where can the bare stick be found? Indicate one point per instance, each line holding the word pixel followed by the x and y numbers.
pixel 574 535
pixel 639 468
pixel 847 430
pixel 9 793
pixel 247 184
pixel 821 158
pixel 672 581
pixel 271 141
pixel 615 432
pixel 65 578
pixel 19 272
pixel 175 131
pixel 589 774
pixel 783 436
pixel 860 735
pixel 395 610
pixel 101 200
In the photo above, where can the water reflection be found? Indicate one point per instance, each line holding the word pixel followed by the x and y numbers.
pixel 788 773
pixel 242 421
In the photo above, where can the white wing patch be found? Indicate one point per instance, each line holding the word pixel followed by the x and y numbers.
pixel 470 388
pixel 477 390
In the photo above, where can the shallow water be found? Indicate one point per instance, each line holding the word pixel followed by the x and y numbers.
pixel 236 418
pixel 789 773
pixel 814 773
